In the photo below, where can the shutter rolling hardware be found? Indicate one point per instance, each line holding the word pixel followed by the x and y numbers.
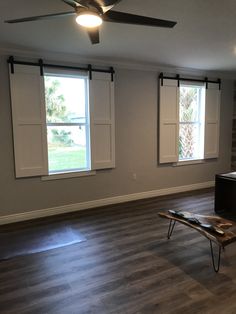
pixel 178 78
pixel 43 65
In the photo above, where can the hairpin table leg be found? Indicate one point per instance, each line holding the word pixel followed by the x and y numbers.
pixel 171 228
pixel 215 266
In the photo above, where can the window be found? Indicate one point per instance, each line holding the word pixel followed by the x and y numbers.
pixel 189 116
pixel 63 122
pixel 67 118
pixel 191 122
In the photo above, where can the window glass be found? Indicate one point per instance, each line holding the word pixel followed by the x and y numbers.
pixel 67 118
pixel 65 99
pixel 189 107
pixel 191 122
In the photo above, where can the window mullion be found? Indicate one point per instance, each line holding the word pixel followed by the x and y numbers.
pixel 65 124
pixel 189 122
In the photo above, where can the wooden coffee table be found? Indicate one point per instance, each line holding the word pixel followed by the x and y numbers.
pixel 222 241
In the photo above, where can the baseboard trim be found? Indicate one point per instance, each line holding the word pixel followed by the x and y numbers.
pixel 101 202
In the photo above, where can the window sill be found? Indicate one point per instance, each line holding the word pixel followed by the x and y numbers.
pixel 68 175
pixel 189 162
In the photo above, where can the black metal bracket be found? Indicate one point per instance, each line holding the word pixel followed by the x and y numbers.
pixel 112 73
pixel 216 264
pixel 171 228
pixel 11 62
pixel 90 71
pixel 219 81
pixel 206 81
pixel 161 76
pixel 41 66
pixel 177 78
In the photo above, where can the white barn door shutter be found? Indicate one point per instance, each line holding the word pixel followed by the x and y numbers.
pixel 102 119
pixel 168 121
pixel 29 121
pixel 212 121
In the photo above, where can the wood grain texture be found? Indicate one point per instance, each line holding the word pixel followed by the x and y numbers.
pixel 125 266
pixel 222 240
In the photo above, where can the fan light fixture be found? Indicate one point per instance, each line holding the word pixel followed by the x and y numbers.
pixel 92 13
pixel 89 19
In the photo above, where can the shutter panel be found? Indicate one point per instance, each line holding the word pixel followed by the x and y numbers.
pixel 168 121
pixel 212 121
pixel 102 118
pixel 29 121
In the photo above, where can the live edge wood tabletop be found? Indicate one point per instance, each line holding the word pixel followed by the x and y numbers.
pixel 222 240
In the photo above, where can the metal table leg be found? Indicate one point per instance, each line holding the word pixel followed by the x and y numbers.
pixel 171 228
pixel 216 266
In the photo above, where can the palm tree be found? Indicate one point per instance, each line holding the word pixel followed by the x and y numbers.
pixel 188 101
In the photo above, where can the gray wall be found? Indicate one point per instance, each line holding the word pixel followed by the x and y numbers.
pixel 136 151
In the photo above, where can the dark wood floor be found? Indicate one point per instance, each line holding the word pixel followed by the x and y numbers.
pixel 126 265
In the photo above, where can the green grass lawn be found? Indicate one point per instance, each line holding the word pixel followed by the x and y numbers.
pixel 66 158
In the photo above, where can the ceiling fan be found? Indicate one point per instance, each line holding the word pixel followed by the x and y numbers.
pixel 91 13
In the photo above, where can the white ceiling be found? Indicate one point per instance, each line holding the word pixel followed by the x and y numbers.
pixel 204 37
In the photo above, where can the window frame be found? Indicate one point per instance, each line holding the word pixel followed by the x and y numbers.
pixel 78 75
pixel 200 121
pixel 168 116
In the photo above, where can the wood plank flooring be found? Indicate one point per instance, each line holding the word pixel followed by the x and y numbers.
pixel 125 266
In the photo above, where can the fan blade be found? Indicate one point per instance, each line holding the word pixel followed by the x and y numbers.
pixel 93 35
pixel 120 17
pixel 41 17
pixel 72 3
pixel 106 3
pixel 83 3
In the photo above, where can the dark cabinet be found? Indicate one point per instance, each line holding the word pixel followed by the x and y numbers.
pixel 225 193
